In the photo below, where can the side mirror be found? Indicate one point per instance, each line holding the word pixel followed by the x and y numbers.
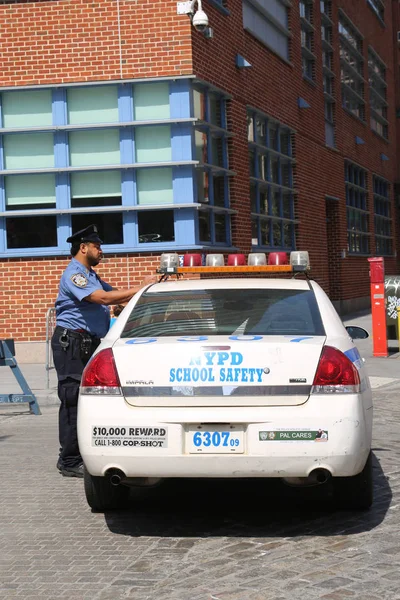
pixel 357 333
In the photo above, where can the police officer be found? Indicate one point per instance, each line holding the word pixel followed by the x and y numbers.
pixel 83 317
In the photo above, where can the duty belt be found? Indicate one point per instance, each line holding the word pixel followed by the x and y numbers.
pixel 75 333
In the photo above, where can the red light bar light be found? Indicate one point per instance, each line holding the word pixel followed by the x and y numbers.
pixel 236 260
pixel 192 260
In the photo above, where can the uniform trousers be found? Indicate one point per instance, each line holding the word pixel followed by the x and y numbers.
pixel 69 366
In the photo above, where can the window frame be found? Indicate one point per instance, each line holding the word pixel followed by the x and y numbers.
pixel 260 185
pixel 356 185
pixel 351 43
pixel 384 244
pixel 184 205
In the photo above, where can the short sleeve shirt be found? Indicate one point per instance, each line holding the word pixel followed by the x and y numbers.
pixel 72 310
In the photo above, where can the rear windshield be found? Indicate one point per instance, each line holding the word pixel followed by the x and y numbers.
pixel 225 312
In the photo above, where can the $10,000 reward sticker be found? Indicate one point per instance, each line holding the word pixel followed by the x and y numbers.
pixel 134 437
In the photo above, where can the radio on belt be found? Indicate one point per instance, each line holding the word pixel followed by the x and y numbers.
pixel 276 262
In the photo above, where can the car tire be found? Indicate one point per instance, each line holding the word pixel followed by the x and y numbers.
pixel 102 496
pixel 355 493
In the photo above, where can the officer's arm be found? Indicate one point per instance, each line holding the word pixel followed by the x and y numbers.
pixel 118 296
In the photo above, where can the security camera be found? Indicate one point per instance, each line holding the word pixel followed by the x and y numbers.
pixel 200 21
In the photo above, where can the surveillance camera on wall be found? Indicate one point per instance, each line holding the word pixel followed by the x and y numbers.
pixel 200 21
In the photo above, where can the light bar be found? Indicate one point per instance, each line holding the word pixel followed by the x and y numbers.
pixel 299 263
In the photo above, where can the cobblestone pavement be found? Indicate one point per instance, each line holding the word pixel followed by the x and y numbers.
pixel 190 541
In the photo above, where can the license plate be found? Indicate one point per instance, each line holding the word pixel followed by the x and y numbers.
pixel 215 439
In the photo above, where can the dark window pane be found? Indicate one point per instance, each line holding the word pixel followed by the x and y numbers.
pixel 277 231
pixel 265 233
pixel 202 186
pixel 82 202
pixel 217 151
pixel 108 224
pixel 156 226
pixel 219 191
pixel 32 232
pixel 216 109
pixel 264 194
pixel 220 228
pixel 204 226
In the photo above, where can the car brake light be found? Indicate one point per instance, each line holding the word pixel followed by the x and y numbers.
pixel 100 375
pixel 335 373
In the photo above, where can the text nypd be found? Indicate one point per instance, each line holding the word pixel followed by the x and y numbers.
pixel 136 437
pixel 218 367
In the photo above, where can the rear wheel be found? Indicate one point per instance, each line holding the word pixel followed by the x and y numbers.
pixel 355 492
pixel 101 495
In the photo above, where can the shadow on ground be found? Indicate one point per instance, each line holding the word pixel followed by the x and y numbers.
pixel 245 508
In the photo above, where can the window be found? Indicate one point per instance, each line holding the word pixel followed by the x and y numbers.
pixel 271 184
pixel 328 75
pixel 267 20
pixel 211 150
pixel 378 7
pixel 87 154
pixel 377 93
pixel 357 209
pixel 307 38
pixel 225 312
pixel 352 68
pixel 382 217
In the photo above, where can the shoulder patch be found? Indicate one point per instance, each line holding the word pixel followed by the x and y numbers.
pixel 79 279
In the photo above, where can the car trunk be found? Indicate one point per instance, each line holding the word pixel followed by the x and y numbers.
pixel 218 371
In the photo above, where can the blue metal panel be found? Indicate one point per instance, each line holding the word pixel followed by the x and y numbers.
pixel 125 102
pixel 61 154
pixel 185 227
pixel 129 198
pixel 126 144
pixel 179 99
pixel 63 195
pixel 182 185
pixel 181 142
pixel 60 106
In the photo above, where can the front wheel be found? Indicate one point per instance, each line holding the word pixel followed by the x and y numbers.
pixel 355 493
pixel 101 495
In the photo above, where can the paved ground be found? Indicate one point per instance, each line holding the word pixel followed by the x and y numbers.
pixel 191 541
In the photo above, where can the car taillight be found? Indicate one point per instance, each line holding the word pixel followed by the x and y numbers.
pixel 335 373
pixel 100 375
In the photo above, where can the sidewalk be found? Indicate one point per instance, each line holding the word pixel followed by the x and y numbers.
pixel 382 371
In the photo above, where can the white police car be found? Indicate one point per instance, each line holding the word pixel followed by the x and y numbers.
pixel 227 377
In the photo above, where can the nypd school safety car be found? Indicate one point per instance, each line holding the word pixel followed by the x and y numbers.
pixel 227 377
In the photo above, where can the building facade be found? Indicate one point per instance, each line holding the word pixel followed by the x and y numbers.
pixel 275 131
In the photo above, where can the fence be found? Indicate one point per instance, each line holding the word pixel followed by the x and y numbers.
pixel 50 326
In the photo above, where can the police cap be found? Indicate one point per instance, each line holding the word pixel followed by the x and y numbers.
pixel 89 234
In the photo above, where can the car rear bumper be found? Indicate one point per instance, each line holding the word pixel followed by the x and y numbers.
pixel 343 417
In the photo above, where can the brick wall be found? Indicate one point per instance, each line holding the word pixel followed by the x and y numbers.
pixel 44 42
pixel 30 287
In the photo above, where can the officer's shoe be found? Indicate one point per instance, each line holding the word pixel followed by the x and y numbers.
pixel 72 471
pixel 59 464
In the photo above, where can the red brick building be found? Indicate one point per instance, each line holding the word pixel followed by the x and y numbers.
pixel 273 130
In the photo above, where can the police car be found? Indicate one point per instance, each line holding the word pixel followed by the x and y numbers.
pixel 227 377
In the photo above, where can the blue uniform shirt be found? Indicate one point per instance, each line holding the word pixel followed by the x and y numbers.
pixel 72 310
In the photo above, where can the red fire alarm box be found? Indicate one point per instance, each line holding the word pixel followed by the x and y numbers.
pixel 377 269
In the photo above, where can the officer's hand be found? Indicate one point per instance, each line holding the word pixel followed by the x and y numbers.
pixel 150 279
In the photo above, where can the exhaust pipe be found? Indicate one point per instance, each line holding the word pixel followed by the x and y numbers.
pixel 320 475
pixel 316 477
pixel 116 476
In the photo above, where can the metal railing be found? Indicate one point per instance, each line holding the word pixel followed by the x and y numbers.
pixel 50 326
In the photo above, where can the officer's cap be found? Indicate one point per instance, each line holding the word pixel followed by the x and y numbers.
pixel 89 234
